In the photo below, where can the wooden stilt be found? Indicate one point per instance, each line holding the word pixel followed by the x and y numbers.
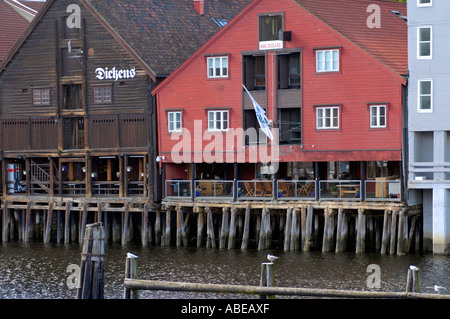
pixel 184 229
pixel 361 232
pixel 326 230
pixel 268 230
pixel 294 230
pixel 67 224
pixel 83 222
pixel 5 222
pixel 158 227
pixel 303 212
pixel 200 227
pixel 116 236
pixel 393 232
pixel 262 231
pixel 386 233
pixel 341 231
pixel 412 230
pixel 232 232
pixel 48 224
pixel 224 228
pixel 28 221
pixel 308 229
pixel 125 224
pixel 167 231
pixel 179 225
pixel 401 232
pixel 377 233
pixel 246 231
pixel 316 231
pixel 211 238
pixel 287 229
pixel 144 226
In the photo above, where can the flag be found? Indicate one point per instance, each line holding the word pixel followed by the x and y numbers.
pixel 261 116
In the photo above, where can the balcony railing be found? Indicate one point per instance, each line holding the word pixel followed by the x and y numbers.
pixel 349 190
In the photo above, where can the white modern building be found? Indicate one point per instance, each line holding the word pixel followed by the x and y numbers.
pixel 429 118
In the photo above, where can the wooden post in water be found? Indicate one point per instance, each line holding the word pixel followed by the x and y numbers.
pixel 144 226
pixel 246 231
pixel 131 272
pixel 386 233
pixel 83 220
pixel 48 224
pixel 412 280
pixel 5 220
pixel 167 231
pixel 294 230
pixel 92 269
pixel 232 232
pixel 267 278
pixel 158 228
pixel 401 232
pixel 27 229
pixel 361 232
pixel 224 229
pixel 200 227
pixel 262 232
pixel 211 238
pixel 341 235
pixel 67 224
pixel 393 232
pixel 179 225
pixel 287 229
pixel 308 229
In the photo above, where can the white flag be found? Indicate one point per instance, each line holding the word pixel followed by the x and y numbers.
pixel 261 116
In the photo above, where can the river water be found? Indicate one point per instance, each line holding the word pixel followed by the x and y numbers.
pixel 37 271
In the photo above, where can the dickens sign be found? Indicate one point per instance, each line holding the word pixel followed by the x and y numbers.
pixel 115 73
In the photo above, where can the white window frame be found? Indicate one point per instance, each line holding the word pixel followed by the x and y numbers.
pixel 174 125
pixel 419 95
pixel 103 97
pixel 420 4
pixel 216 123
pixel 323 60
pixel 376 114
pixel 330 118
pixel 212 67
pixel 419 42
pixel 41 96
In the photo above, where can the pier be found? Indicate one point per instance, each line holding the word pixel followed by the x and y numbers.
pixel 329 226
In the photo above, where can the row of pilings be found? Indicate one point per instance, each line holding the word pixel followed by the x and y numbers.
pixel 329 228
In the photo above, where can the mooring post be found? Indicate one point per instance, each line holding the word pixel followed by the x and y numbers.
pixel 92 270
pixel 412 280
pixel 131 272
pixel 267 278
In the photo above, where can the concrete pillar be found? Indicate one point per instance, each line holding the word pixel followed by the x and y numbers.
pixel 441 221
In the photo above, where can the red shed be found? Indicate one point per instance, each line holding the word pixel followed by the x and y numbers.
pixel 330 76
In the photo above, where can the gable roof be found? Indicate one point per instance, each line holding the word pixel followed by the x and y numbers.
pixel 159 34
pixel 165 33
pixel 387 44
pixel 12 23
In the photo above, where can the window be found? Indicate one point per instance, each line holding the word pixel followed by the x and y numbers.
pixel 218 67
pixel 41 96
pixel 424 42
pixel 327 60
pixel 72 97
pixel 269 27
pixel 327 117
pixel 424 3
pixel 217 120
pixel 290 126
pixel 102 94
pixel 378 116
pixel 289 71
pixel 220 22
pixel 425 96
pixel 255 72
pixel 174 121
pixel 73 133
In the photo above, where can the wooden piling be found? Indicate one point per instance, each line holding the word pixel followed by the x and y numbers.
pixel 412 280
pixel 267 278
pixel 224 229
pixel 125 223
pixel 262 231
pixel 246 230
pixel 268 230
pixel 287 229
pixel 393 232
pixel 167 231
pixel 179 226
pixel 293 245
pixel 131 272
pixel 48 223
pixel 232 231
pixel 361 232
pixel 27 225
pixel 5 222
pixel 144 226
pixel 200 227
pixel 211 238
pixel 83 221
pixel 401 232
pixel 158 227
pixel 326 240
pixel 308 229
pixel 67 224
pixel 341 235
pixel 92 267
pixel 386 233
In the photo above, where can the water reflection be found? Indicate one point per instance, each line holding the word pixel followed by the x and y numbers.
pixel 32 271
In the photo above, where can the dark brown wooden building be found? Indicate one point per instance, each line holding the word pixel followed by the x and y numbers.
pixel 77 117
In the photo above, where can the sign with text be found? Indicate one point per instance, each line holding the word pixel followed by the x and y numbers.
pixel 115 73
pixel 270 45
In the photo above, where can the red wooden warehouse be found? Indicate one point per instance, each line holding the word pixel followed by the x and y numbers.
pixel 331 77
